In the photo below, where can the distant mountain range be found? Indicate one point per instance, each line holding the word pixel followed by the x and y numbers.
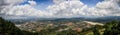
pixel 100 19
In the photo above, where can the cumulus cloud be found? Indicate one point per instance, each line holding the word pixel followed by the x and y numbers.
pixel 1 4
pixel 9 3
pixel 68 8
pixel 75 8
pixel 24 10
pixel 58 1
pixel 107 8
pixel 62 9
pixel 13 2
pixel 32 3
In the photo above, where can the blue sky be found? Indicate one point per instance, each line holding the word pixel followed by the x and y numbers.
pixel 41 4
pixel 91 2
pixel 88 2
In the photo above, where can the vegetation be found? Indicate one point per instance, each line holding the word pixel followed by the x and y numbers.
pixel 110 28
pixel 8 28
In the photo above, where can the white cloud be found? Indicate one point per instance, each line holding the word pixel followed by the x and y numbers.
pixel 58 1
pixel 32 3
pixel 68 8
pixel 4 4
pixel 106 8
pixel 77 8
pixel 13 2
pixel 25 10
pixel 65 9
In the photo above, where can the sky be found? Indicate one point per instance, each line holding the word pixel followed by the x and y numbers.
pixel 44 3
pixel 40 3
pixel 60 8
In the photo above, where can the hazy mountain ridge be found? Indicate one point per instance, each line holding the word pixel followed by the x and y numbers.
pixel 100 19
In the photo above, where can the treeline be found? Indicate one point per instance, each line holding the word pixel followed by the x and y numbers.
pixel 111 28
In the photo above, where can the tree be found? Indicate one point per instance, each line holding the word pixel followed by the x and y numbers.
pixel 8 28
pixel 96 30
pixel 112 28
